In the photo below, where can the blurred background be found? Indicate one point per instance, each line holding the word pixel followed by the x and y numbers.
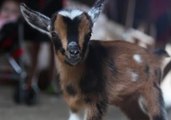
pixel 29 87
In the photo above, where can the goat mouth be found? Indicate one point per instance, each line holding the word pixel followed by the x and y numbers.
pixel 73 60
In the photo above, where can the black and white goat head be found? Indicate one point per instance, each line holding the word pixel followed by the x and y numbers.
pixel 69 29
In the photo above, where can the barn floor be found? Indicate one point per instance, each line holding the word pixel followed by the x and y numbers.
pixel 49 108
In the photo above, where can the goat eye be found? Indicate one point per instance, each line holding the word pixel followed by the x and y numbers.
pixel 89 34
pixel 62 51
pixel 54 35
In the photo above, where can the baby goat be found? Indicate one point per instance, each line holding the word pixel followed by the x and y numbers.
pixel 94 73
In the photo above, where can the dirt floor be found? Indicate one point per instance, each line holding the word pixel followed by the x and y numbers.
pixel 49 108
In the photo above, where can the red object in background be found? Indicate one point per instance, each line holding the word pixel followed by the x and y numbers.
pixel 18 53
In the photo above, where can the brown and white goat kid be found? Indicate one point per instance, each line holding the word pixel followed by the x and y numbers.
pixel 94 73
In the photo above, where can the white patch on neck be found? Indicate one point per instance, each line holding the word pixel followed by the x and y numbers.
pixel 134 76
pixel 71 14
pixel 137 58
pixel 74 116
pixel 81 115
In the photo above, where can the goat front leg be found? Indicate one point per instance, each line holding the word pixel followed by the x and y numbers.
pixel 96 111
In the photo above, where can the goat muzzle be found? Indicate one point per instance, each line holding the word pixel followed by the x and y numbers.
pixel 73 53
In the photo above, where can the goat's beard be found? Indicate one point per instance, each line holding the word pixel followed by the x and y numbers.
pixel 73 61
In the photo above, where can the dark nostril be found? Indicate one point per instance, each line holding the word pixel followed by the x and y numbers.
pixel 74 52
pixel 73 48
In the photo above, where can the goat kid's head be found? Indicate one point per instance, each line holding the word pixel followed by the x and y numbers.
pixel 69 29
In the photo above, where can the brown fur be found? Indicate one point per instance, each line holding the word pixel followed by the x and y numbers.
pixel 84 28
pixel 119 69
pixel 68 77
pixel 94 74
pixel 61 29
pixel 120 89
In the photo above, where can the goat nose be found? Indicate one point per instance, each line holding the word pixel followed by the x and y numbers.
pixel 73 48
pixel 74 52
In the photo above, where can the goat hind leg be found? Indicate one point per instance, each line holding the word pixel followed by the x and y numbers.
pixel 152 100
pixel 132 109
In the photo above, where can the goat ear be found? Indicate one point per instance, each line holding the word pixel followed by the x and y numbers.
pixel 96 10
pixel 36 19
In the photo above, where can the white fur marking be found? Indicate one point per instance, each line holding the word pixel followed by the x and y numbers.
pixel 96 10
pixel 137 58
pixel 93 14
pixel 49 27
pixel 74 116
pixel 71 14
pixel 134 76
pixel 165 87
pixel 142 104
